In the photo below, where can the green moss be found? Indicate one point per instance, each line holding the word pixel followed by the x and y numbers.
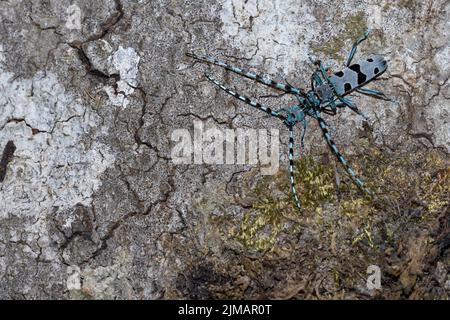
pixel 399 180
pixel 317 182
pixel 260 227
pixel 354 28
pixel 259 231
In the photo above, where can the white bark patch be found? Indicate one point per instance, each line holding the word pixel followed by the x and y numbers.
pixel 125 63
pixel 51 167
pixel 273 28
pixel 73 279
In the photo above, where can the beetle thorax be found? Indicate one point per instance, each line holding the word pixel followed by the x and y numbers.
pixel 324 92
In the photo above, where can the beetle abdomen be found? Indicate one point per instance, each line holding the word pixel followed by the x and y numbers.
pixel 359 73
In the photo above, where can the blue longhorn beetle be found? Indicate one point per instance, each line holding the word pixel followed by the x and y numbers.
pixel 326 95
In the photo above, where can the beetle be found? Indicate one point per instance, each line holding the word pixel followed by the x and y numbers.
pixel 328 93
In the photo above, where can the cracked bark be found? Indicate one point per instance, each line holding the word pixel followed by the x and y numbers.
pixel 149 223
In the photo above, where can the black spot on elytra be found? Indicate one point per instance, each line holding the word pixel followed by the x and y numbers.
pixel 339 74
pixel 376 70
pixel 347 86
pixel 370 60
pixel 355 67
pixel 361 76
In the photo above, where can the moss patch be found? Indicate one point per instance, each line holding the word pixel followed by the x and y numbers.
pixel 354 28
pixel 416 183
pixel 323 251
